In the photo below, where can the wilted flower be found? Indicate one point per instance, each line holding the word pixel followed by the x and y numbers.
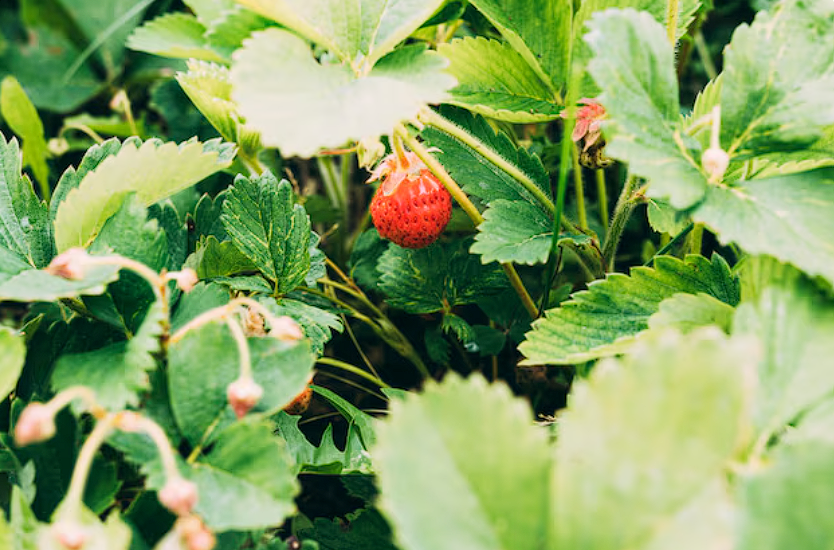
pixel 588 125
pixel 243 394
pixel 36 424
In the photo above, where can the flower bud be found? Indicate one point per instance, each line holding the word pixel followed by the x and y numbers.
pixel 284 328
pixel 186 279
pixel 243 394
pixel 70 264
pixel 715 161
pixel 69 534
pixel 194 533
pixel 178 495
pixel 36 424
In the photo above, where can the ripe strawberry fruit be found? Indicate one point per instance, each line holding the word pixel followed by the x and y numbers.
pixel 410 208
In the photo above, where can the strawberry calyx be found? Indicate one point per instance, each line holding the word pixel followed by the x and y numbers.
pixel 393 170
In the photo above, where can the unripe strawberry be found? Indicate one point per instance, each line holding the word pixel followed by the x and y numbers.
pixel 178 495
pixel 36 424
pixel 243 394
pixel 411 207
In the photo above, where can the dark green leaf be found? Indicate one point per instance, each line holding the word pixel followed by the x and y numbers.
pixel 436 278
pixel 605 319
pixel 476 175
pixel 24 225
pixel 326 458
pixel 265 224
pixel 363 530
pixel 316 323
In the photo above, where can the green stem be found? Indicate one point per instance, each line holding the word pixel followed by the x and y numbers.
pixel 696 239
pixel 579 189
pixel 703 53
pixel 468 207
pixel 353 384
pixel 347 367
pixel 602 196
pixel 432 118
pixel 622 212
pixel 672 9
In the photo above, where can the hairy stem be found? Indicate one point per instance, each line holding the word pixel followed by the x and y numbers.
pixel 622 212
pixel 672 9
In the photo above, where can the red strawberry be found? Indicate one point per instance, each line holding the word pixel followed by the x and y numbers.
pixel 410 208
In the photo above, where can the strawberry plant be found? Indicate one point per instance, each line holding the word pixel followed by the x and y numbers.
pixel 416 274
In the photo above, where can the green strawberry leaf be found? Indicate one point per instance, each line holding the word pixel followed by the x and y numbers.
pixel 176 35
pixel 326 458
pixel 218 259
pixel 23 119
pixel 666 488
pixel 203 297
pixel 227 32
pixel 360 32
pixel 262 220
pixel 787 217
pixel 793 320
pixel 365 529
pixel 494 80
pixel 776 98
pixel 154 171
pixel 479 177
pixel 605 319
pixel 436 278
pixel 490 464
pixel 117 373
pixel 205 361
pixel 540 32
pixel 72 177
pixel 13 351
pixel 634 65
pixel 24 226
pixel 209 11
pixel 278 84
pixel 247 463
pixel 518 232
pixel 209 88
pixel 39 59
pixel 686 312
pixel 784 504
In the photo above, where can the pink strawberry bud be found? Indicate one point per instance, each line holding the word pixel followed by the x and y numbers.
pixel 36 424
pixel 715 161
pixel 186 279
pixel 178 495
pixel 70 264
pixel 69 534
pixel 194 533
pixel 284 328
pixel 243 394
